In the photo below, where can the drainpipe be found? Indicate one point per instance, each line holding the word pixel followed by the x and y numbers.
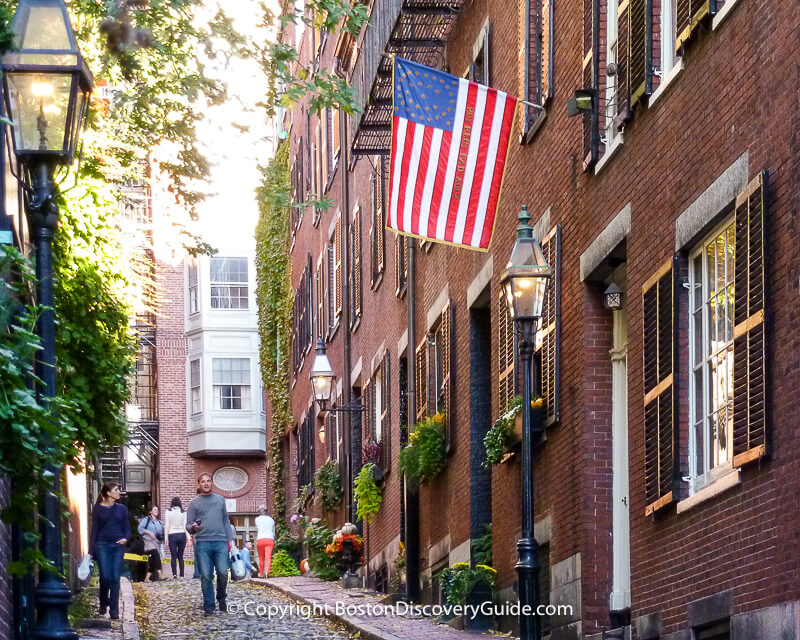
pixel 412 497
pixel 350 446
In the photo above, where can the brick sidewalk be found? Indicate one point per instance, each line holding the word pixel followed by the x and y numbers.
pixel 385 627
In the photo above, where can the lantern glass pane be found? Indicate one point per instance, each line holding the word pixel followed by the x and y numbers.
pixel 39 104
pixel 44 28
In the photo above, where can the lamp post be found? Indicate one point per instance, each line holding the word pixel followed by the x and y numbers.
pixel 46 83
pixel 525 282
pixel 323 379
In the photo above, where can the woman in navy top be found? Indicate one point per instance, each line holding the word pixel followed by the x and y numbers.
pixel 110 531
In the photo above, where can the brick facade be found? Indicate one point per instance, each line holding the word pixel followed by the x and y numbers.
pixel 731 100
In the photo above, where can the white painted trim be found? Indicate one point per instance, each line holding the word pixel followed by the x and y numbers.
pixel 611 150
pixel 402 344
pixel 355 372
pixel 436 310
pixel 461 553
pixel 377 358
pixel 543 530
pixel 719 486
pixel 666 82
pixel 480 281
pixel 723 13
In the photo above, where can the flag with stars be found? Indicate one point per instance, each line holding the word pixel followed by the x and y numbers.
pixel 449 143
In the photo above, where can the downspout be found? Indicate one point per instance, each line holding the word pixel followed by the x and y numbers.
pixel 412 497
pixel 346 382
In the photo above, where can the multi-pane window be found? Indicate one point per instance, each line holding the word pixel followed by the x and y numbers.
pixel 479 68
pixel 194 384
pixel 194 303
pixel 711 304
pixel 229 283
pixel 231 379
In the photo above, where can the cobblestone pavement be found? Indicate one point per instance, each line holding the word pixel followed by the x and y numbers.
pixel 172 610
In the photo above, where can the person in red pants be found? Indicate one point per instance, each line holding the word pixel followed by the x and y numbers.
pixel 265 541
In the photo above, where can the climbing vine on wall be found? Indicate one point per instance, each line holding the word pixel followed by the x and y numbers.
pixel 274 299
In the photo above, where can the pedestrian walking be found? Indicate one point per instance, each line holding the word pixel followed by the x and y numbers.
pixel 265 541
pixel 152 532
pixel 208 522
pixel 175 524
pixel 246 553
pixel 110 532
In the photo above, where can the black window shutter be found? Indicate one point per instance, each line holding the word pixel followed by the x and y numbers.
pixel 448 352
pixel 688 15
pixel 549 333
pixel 640 65
pixel 750 437
pixel 505 351
pixel 591 71
pixel 421 374
pixel 386 418
pixel 658 318
pixel 622 93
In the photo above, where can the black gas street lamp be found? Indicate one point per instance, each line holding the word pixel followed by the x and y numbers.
pixel 525 282
pixel 323 380
pixel 46 85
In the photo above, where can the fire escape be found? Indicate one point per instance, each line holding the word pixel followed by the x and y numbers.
pixel 133 465
pixel 416 30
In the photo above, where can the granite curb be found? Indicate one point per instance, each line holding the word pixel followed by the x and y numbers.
pixel 367 631
pixel 130 628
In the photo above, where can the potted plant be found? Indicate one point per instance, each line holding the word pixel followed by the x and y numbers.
pixel 328 485
pixel 372 452
pixel 367 493
pixel 424 457
pixel 462 584
pixel 506 432
pixel 345 548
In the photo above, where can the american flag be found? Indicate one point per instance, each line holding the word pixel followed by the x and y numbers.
pixel 449 143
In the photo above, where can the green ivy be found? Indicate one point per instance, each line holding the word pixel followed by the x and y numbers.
pixel 283 565
pixel 328 484
pixel 366 493
pixel 424 457
pixel 458 581
pixel 274 301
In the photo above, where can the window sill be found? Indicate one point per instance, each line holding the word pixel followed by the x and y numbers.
pixel 376 283
pixel 723 13
pixel 717 487
pixel 611 150
pixel 666 82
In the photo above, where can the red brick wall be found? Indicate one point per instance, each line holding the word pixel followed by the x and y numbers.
pixel 734 95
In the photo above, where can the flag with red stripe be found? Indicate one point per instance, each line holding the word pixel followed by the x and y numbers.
pixel 449 143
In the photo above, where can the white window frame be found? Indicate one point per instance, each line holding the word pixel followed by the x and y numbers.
pixel 230 284
pixel 716 462
pixel 377 389
pixel 195 386
pixel 219 388
pixel 668 56
pixel 193 278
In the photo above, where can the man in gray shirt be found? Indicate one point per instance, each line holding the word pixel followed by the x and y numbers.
pixel 207 520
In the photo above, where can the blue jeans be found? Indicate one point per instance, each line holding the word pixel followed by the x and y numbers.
pixel 210 555
pixel 109 560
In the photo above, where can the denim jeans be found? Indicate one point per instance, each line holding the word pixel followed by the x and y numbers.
pixel 109 560
pixel 208 556
pixel 177 545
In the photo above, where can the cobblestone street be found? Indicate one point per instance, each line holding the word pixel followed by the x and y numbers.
pixel 172 609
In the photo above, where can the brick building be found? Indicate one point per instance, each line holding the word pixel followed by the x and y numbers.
pixel 211 413
pixel 665 479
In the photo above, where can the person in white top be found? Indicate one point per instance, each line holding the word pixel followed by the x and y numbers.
pixel 265 541
pixel 175 524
